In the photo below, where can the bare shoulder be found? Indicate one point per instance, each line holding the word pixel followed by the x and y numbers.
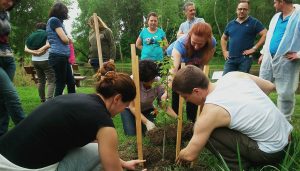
pixel 237 74
pixel 216 115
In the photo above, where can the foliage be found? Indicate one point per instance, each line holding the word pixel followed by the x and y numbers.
pixel 165 66
pixel 125 18
pixel 30 100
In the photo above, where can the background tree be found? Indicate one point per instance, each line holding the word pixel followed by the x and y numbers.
pixel 125 18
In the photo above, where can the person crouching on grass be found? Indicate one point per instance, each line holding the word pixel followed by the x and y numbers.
pixel 237 117
pixel 72 132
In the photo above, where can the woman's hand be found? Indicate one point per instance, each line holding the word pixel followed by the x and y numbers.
pixel 131 164
pixel 150 125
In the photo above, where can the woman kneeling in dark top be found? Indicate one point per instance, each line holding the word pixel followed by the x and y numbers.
pixel 59 134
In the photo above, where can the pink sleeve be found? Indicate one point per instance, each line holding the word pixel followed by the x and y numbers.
pixel 72 54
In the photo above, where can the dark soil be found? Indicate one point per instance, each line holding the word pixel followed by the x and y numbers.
pixel 156 135
pixel 153 152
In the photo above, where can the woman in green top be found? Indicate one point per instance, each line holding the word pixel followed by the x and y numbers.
pixel 107 43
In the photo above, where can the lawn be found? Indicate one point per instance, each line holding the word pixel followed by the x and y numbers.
pixel 30 100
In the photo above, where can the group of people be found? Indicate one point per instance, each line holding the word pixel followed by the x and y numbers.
pixel 52 54
pixel 77 129
pixel 263 134
pixel 237 106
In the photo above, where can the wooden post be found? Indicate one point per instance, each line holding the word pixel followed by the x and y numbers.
pixel 96 25
pixel 200 107
pixel 179 122
pixel 137 101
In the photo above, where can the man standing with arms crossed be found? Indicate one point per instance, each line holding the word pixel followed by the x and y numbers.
pixel 280 59
pixel 241 33
pixel 190 12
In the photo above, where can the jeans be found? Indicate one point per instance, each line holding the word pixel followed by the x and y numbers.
pixel 63 73
pixel 128 120
pixel 191 109
pixel 81 159
pixel 10 104
pixel 242 64
pixel 224 141
pixel 44 72
pixel 70 80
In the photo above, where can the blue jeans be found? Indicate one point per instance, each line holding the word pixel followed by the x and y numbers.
pixel 128 120
pixel 242 64
pixel 63 73
pixel 79 159
pixel 10 104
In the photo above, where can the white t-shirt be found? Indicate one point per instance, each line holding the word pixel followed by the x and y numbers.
pixel 252 112
pixel 6 165
pixel 43 57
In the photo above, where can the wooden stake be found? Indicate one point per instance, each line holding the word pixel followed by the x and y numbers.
pixel 96 25
pixel 137 101
pixel 200 107
pixel 179 122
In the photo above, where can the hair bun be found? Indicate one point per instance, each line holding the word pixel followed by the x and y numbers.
pixel 110 74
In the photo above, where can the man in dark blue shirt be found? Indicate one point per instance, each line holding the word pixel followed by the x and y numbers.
pixel 241 34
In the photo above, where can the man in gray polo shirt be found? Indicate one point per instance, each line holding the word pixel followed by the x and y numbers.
pixel 190 12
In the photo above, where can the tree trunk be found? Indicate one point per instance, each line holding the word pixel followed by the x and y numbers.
pixel 215 16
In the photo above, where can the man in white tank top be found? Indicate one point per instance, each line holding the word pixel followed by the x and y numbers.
pixel 237 116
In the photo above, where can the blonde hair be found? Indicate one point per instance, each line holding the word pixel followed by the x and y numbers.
pixel 102 24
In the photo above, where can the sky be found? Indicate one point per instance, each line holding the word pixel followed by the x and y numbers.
pixel 74 11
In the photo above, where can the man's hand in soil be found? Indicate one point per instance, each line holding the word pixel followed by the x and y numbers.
pixel 183 158
pixel 132 164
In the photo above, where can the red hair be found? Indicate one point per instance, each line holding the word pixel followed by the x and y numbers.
pixel 201 30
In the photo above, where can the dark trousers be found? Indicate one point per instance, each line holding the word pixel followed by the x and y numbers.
pixel 128 120
pixel 63 73
pixel 191 109
pixel 10 104
pixel 242 64
pixel 224 142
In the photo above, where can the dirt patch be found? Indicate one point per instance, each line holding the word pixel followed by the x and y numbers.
pixel 156 135
pixel 156 158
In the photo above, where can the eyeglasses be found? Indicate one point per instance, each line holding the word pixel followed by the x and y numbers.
pixel 244 9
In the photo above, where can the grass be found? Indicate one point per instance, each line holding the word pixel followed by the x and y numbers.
pixel 30 100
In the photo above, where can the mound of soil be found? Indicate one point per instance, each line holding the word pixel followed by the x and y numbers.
pixel 153 153
pixel 157 134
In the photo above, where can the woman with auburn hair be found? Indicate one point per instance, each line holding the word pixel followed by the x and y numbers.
pixel 195 48
pixel 72 132
pixel 107 43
